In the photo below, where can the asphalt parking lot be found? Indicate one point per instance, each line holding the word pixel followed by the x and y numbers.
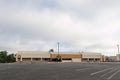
pixel 60 71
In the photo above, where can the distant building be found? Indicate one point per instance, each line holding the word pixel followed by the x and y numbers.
pixel 34 56
pixel 112 58
pixel 117 57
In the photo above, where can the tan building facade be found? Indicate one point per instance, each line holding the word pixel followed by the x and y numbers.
pixel 92 57
pixel 67 57
pixel 24 56
pixel 34 56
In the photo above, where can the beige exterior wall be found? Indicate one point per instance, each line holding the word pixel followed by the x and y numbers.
pixel 66 61
pixel 117 57
pixel 46 56
pixel 66 55
pixel 34 54
pixel 91 57
pixel 73 57
pixel 76 59
pixel 31 56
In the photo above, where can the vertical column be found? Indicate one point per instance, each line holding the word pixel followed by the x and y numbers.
pixel 61 59
pixel 41 59
pixel 80 60
pixel 118 57
pixel 101 60
pixel 31 59
pixel 21 59
pixel 50 57
pixel 88 59
pixel 94 59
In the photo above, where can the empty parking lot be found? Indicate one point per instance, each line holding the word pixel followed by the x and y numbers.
pixel 60 71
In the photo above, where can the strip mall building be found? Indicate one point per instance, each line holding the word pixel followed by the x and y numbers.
pixel 118 57
pixel 34 56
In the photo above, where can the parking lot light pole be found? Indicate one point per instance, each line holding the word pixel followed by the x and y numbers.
pixel 118 51
pixel 59 57
pixel 58 47
pixel 118 48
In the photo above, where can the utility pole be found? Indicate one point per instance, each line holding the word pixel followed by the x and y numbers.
pixel 118 48
pixel 59 57
pixel 118 51
pixel 58 47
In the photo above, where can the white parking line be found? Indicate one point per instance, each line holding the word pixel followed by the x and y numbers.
pixel 82 69
pixel 100 71
pixel 108 72
pixel 113 74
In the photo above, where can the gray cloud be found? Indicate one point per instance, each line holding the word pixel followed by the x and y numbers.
pixel 79 25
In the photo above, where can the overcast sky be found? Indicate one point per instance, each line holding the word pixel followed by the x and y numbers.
pixel 79 25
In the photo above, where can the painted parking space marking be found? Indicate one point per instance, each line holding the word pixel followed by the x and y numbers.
pixel 101 71
pixel 82 69
pixel 113 75
pixel 109 72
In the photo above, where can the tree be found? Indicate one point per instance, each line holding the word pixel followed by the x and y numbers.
pixel 3 56
pixel 51 50
pixel 11 58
